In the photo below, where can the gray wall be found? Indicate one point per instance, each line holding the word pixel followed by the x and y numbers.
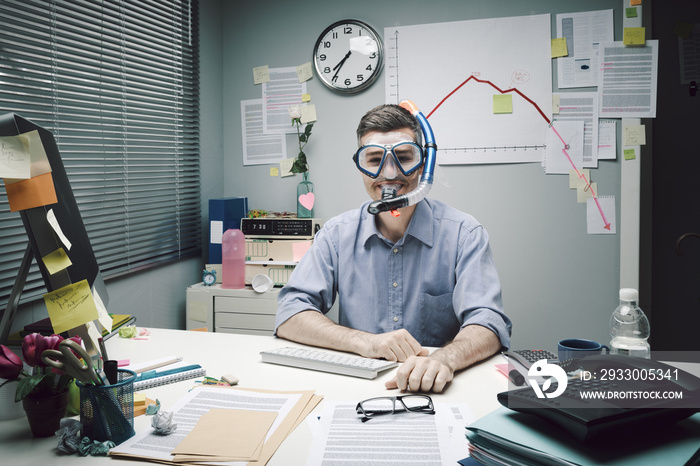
pixel 557 281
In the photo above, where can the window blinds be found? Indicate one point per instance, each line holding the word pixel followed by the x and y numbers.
pixel 116 82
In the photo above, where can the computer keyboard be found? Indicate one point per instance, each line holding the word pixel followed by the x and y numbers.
pixel 326 361
pixel 528 357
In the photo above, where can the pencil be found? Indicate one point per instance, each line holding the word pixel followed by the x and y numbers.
pixel 157 365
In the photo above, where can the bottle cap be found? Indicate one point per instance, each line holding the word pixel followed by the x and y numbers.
pixel 629 294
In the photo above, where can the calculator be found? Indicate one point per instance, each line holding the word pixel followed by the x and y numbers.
pixel 528 357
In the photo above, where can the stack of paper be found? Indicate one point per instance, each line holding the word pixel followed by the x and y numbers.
pixel 223 425
pixel 507 437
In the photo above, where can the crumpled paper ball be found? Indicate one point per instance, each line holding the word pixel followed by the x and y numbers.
pixel 162 423
pixel 68 436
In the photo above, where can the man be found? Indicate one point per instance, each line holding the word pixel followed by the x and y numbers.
pixel 423 278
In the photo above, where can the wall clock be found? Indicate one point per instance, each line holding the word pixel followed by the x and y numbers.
pixel 348 56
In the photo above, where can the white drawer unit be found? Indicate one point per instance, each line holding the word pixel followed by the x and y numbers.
pixel 231 311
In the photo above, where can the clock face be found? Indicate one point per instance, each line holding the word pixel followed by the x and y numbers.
pixel 209 277
pixel 348 56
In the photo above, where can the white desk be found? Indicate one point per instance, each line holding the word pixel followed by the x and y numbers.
pixel 222 353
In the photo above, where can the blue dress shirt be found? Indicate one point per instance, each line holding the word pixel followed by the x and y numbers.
pixel 434 281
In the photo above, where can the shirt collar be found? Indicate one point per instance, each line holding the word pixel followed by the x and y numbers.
pixel 420 227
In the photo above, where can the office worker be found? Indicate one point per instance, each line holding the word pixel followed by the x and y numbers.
pixel 425 278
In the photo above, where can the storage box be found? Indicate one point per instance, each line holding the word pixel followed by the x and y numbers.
pixel 279 272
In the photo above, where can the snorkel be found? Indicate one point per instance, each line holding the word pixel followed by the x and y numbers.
pixel 389 201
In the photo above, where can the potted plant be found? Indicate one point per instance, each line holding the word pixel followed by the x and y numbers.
pixel 44 392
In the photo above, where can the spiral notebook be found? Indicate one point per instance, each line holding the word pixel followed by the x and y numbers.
pixel 165 374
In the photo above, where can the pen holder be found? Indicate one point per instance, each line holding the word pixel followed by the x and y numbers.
pixel 107 411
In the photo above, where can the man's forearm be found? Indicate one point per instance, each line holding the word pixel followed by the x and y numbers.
pixel 472 344
pixel 314 328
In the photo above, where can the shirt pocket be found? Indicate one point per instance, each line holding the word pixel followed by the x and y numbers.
pixel 438 322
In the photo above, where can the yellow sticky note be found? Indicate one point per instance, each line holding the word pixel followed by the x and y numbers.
pixel 70 306
pixel 576 180
pixel 56 261
pixel 633 135
pixel 683 29
pixel 633 36
pixel 306 97
pixel 559 47
pixel 139 399
pixel 629 154
pixel 304 72
pixel 502 103
pixel 308 113
pixel 261 74
pixel 274 171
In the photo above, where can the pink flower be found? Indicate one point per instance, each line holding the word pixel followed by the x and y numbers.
pixel 34 344
pixel 10 364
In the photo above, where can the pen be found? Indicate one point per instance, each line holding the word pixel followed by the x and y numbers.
pixel 111 371
pixel 157 365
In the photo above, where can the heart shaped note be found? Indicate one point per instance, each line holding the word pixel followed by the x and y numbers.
pixel 307 200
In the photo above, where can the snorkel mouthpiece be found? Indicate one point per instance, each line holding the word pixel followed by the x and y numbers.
pixel 393 203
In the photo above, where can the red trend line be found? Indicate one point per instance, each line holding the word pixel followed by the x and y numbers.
pixel 583 177
pixel 580 175
pixel 495 87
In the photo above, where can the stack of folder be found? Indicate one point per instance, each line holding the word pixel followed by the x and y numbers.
pixel 507 437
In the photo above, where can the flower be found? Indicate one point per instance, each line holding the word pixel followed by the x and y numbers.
pixel 10 363
pixel 43 381
pixel 300 164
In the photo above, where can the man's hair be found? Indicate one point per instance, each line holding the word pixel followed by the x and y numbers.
pixel 389 117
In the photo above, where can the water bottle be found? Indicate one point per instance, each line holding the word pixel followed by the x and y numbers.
pixel 233 259
pixel 629 327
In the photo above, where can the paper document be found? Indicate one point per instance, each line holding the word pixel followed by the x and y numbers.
pixel 582 106
pixel 564 147
pixel 187 412
pixel 607 140
pixel 583 33
pixel 259 148
pixel 283 90
pixel 406 438
pixel 627 80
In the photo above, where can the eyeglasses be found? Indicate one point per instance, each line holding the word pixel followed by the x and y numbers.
pixel 388 405
pixel 370 159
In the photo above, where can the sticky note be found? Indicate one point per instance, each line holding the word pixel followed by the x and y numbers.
pixel 559 47
pixel 683 29
pixel 53 221
pixel 34 192
pixel 633 36
pixel 629 154
pixel 576 180
pixel 304 72
pixel 502 103
pixel 274 171
pixel 56 261
pixel 631 12
pixel 139 399
pixel 70 306
pixel 306 97
pixel 308 113
pixel 261 74
pixel 635 2
pixel 299 249
pixel 633 135
pixel 286 167
pixel 556 98
pixel 14 158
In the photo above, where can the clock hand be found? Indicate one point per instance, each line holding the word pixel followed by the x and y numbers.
pixel 340 65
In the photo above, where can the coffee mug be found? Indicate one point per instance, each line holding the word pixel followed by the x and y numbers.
pixel 578 348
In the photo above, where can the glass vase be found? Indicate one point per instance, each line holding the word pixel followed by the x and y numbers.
pixel 305 197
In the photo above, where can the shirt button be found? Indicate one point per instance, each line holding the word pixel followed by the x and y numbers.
pixel 396 250
pixel 396 319
pixel 395 284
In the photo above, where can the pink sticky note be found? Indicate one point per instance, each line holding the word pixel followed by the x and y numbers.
pixel 299 249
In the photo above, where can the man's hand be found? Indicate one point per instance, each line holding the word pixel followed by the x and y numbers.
pixel 422 374
pixel 398 345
